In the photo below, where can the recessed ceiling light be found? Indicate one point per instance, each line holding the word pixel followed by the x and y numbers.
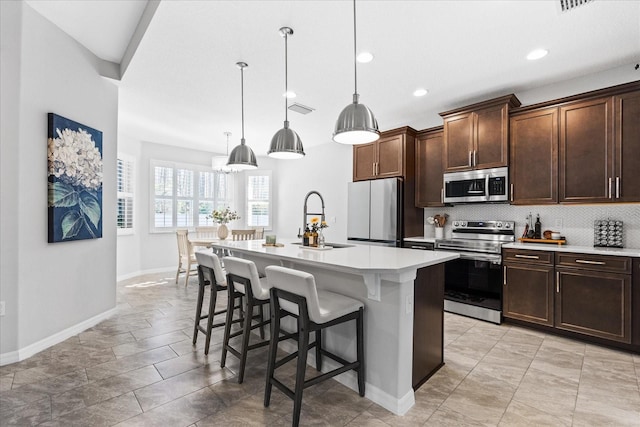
pixel 365 57
pixel 289 94
pixel 420 92
pixel 537 54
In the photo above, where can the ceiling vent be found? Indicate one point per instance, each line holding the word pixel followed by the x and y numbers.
pixel 299 108
pixel 568 5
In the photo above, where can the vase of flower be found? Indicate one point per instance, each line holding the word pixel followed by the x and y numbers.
pixel 223 231
pixel 223 217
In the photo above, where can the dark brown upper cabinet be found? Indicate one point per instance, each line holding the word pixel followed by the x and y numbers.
pixel 429 170
pixel 626 155
pixel 586 151
pixel 533 165
pixel 477 136
pixel 390 156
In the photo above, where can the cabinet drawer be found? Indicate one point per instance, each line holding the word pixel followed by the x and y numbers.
pixel 594 262
pixel 527 256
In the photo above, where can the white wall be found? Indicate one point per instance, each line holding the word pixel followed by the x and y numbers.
pixel 326 168
pixel 10 37
pixel 59 286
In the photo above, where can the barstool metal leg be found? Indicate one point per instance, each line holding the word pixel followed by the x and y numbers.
pixel 360 350
pixel 303 348
pixel 227 325
pixel 198 310
pixel 212 308
pixel 319 350
pixel 245 337
pixel 273 350
pixel 261 321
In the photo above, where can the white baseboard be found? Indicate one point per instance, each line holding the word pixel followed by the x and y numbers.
pixel 350 379
pixel 30 350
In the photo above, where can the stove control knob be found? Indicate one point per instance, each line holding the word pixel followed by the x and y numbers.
pixel 499 225
pixel 455 223
pixel 507 225
pixel 463 224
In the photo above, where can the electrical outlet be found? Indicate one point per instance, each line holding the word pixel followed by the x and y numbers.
pixel 1 308
pixel 409 304
pixel 558 223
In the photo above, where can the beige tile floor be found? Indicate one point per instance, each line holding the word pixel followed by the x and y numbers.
pixel 139 368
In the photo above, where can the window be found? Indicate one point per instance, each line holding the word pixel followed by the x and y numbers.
pixel 125 197
pixel 185 195
pixel 259 199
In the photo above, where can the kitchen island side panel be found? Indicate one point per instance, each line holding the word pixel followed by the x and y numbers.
pixel 428 323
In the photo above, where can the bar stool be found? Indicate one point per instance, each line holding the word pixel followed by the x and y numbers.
pixel 210 273
pixel 294 292
pixel 244 283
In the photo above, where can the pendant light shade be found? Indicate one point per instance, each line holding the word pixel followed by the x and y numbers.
pixel 219 163
pixel 356 123
pixel 242 157
pixel 286 143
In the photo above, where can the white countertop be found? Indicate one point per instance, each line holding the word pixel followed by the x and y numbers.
pixel 358 258
pixel 630 252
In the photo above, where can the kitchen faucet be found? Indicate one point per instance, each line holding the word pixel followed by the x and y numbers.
pixel 306 214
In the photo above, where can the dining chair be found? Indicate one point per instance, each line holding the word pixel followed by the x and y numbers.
pixel 259 232
pixel 186 257
pixel 208 231
pixel 243 234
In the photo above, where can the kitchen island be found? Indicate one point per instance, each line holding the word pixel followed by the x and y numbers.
pixel 383 278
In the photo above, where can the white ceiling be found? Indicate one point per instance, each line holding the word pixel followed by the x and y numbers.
pixel 182 86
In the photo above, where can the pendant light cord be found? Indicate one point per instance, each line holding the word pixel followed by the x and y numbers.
pixel 242 103
pixel 355 62
pixel 286 79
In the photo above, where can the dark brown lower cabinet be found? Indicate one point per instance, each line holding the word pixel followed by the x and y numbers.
pixel 428 323
pixel 528 293
pixel 594 303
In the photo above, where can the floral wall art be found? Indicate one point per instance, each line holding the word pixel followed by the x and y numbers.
pixel 74 180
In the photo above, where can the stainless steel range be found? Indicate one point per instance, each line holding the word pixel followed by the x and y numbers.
pixel 473 283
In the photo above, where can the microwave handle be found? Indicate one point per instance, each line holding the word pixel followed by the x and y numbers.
pixel 486 186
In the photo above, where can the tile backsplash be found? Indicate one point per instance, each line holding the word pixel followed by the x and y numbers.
pixel 576 220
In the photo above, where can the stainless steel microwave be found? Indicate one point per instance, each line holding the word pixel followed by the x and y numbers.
pixel 482 185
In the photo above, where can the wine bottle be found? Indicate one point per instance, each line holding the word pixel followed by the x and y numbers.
pixel 537 234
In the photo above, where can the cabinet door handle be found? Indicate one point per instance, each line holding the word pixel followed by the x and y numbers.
pixel 475 158
pixel 557 282
pixel 470 160
pixel 511 192
pixel 442 195
pixel 504 275
pixel 377 168
pixel 586 261
pixel 610 194
pixel 527 256
pixel 373 169
pixel 617 187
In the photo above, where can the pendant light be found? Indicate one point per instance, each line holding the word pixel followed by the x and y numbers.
pixel 242 156
pixel 286 143
pixel 356 124
pixel 219 163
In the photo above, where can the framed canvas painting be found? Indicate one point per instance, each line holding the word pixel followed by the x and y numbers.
pixel 74 180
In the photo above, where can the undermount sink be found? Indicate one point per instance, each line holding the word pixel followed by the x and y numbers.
pixel 333 245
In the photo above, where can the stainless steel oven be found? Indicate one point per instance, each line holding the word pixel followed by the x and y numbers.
pixel 473 282
pixel 483 185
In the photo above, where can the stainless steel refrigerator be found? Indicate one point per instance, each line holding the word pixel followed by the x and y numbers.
pixel 375 212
